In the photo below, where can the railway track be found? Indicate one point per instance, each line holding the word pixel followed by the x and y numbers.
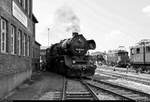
pixel 82 91
pixel 127 77
pixel 123 92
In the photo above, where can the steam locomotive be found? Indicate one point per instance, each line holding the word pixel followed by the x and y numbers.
pixel 69 57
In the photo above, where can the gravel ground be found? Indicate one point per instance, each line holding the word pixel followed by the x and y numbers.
pixel 142 75
pixel 132 84
pixel 37 87
pixel 102 95
pixel 75 86
pixel 103 76
pixel 51 96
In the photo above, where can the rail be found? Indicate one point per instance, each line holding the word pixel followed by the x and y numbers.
pixel 87 94
pixel 128 77
pixel 125 92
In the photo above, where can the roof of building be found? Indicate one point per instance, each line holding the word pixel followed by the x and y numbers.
pixel 37 43
pixel 44 47
pixel 141 43
pixel 34 19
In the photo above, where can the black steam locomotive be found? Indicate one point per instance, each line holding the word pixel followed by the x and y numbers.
pixel 69 57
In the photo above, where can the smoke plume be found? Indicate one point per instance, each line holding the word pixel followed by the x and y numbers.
pixel 66 20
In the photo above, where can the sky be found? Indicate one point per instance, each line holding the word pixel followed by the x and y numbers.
pixel 111 23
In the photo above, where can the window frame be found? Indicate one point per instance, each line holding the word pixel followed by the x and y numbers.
pixel 28 46
pixel 138 50
pixel 3 39
pixel 20 2
pixel 132 51
pixel 24 4
pixel 28 7
pixel 19 42
pixel 148 49
pixel 12 41
pixel 24 46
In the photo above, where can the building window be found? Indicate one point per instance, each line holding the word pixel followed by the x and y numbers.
pixel 25 45
pixel 28 7
pixel 28 46
pixel 24 41
pixel 147 48
pixel 3 35
pixel 12 43
pixel 138 50
pixel 20 2
pixel 132 51
pixel 24 4
pixel 19 42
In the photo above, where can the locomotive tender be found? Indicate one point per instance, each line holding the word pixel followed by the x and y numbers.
pixel 69 57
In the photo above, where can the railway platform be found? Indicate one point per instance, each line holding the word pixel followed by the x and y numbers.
pixel 39 84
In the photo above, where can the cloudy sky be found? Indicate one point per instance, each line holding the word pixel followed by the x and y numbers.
pixel 111 23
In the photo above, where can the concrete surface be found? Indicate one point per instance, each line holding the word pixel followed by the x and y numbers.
pixel 39 84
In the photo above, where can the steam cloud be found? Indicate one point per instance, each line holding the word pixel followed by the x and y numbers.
pixel 66 19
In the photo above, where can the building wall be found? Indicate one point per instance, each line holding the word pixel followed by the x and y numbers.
pixel 43 55
pixel 36 57
pixel 15 67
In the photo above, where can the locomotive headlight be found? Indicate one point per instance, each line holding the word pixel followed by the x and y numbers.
pixel 73 61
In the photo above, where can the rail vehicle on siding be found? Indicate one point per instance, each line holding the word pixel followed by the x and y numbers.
pixel 140 56
pixel 117 58
pixel 69 57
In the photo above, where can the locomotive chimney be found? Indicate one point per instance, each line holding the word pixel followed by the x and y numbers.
pixel 74 34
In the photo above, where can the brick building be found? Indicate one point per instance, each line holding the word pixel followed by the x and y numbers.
pixel 17 37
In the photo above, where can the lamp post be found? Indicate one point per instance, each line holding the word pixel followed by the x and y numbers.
pixel 48 36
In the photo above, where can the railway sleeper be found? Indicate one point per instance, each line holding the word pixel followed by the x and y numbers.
pixel 77 93
pixel 78 98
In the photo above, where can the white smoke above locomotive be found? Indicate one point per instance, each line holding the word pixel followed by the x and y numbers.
pixel 65 22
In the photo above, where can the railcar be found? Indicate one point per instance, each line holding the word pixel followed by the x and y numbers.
pixel 69 57
pixel 117 58
pixel 140 57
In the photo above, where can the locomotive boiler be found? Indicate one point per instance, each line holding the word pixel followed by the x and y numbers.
pixel 69 57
